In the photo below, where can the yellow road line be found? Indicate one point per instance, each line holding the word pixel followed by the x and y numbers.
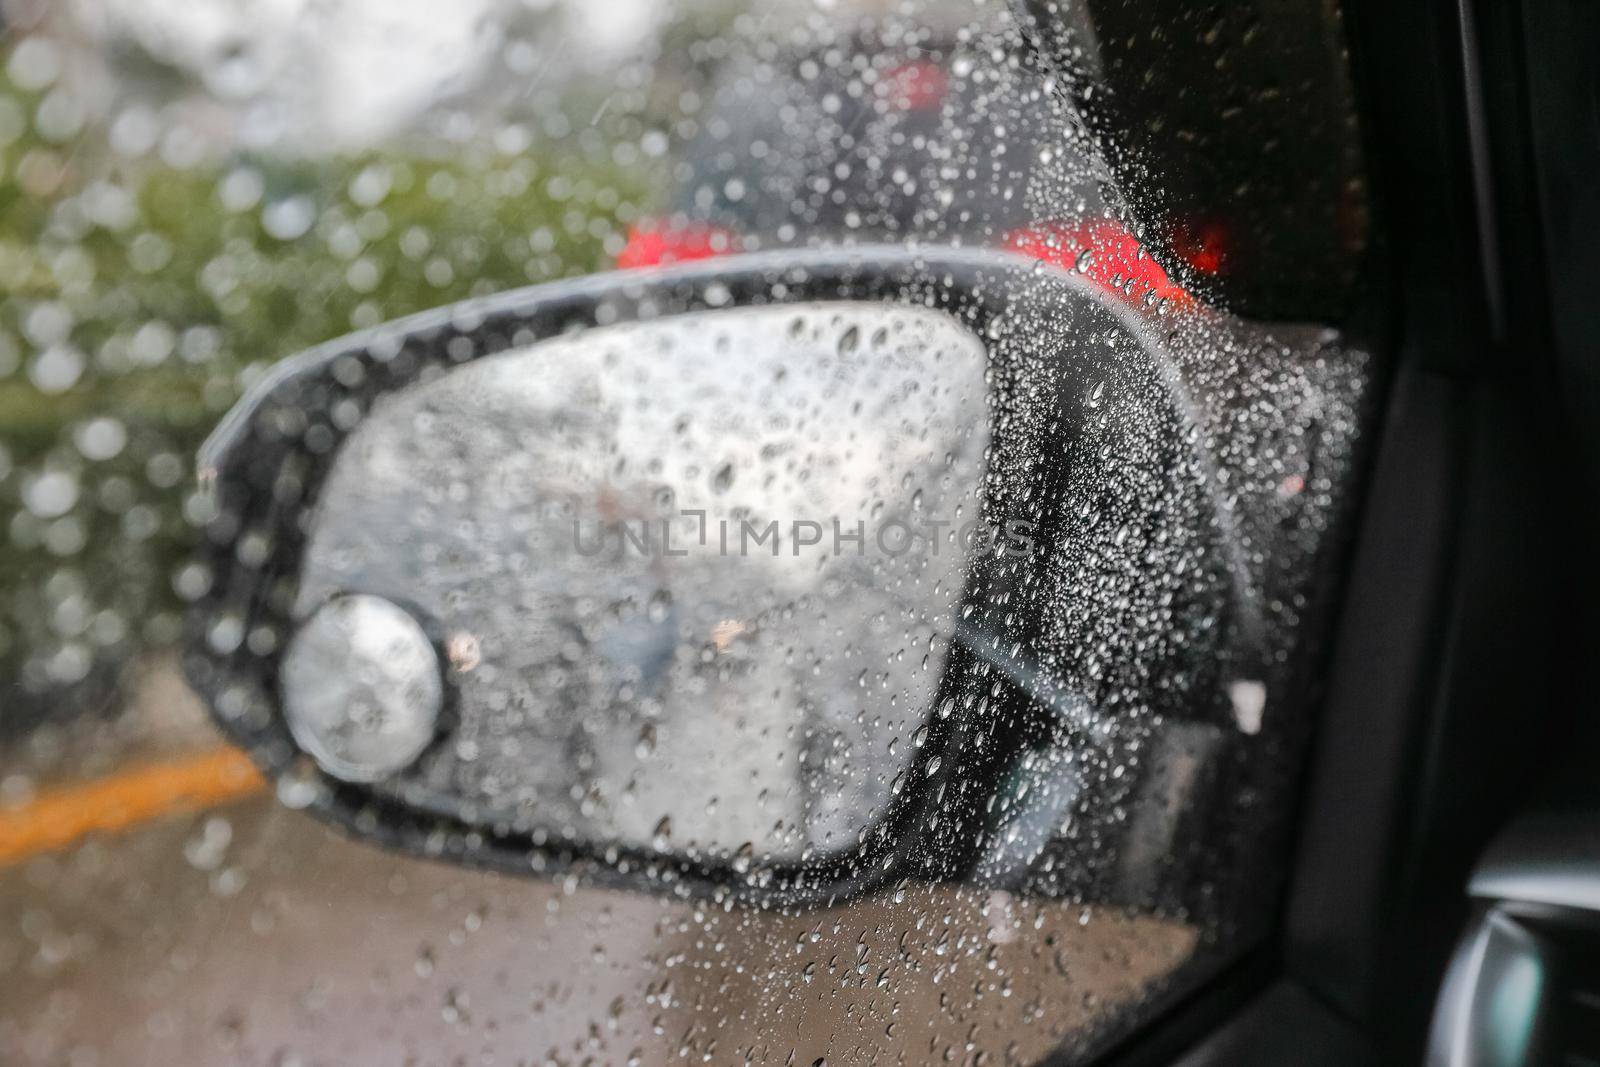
pixel 57 817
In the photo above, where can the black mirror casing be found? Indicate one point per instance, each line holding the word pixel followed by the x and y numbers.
pixel 268 460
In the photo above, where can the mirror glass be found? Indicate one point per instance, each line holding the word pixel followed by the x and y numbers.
pixel 693 581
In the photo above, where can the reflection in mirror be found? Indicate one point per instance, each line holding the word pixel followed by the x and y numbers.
pixel 694 579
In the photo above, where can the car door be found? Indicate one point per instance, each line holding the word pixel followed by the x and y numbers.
pixel 743 531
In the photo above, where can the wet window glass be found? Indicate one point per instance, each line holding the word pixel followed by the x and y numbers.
pixel 833 583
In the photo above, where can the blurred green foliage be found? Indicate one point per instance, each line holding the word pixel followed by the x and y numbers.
pixel 150 295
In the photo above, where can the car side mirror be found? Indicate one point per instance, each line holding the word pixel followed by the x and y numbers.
pixel 744 580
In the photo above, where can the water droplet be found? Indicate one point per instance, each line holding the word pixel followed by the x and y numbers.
pixel 289 218
pixel 645 747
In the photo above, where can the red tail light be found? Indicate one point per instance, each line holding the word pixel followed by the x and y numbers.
pixel 1203 246
pixel 660 244
pixel 1104 251
pixel 920 85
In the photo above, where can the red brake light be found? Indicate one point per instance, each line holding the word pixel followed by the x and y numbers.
pixel 1104 251
pixel 920 85
pixel 662 244
pixel 1203 246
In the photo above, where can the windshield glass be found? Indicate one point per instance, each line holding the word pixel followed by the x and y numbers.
pixel 192 192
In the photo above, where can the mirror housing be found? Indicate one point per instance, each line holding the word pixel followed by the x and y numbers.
pixel 999 709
